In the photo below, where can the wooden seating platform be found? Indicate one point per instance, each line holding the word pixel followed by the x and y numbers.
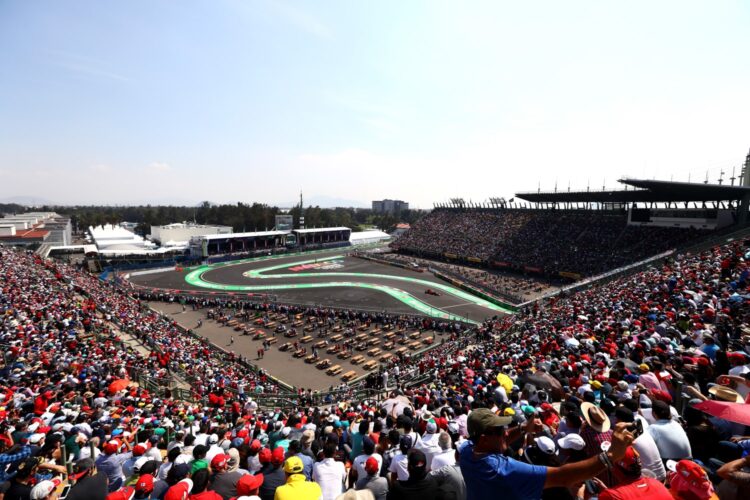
pixel 299 353
pixel 272 324
pixel 388 345
pixel 272 340
pixel 373 352
pixel 337 338
pixel 345 354
pixel 306 339
pixel 320 344
pixel 312 358
pixel 357 359
pixel 333 349
pixel 414 335
pixel 286 346
pixel 428 340
pixel 334 370
pixel 386 357
pixel 415 345
pixel 389 336
pixel 373 342
pixel 370 364
pixel 323 364
pixel 346 377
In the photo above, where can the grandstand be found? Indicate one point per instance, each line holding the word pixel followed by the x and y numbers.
pixel 564 236
pixel 96 382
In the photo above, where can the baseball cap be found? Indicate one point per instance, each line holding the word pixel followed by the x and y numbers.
pixel 264 456
pixel 219 462
pixel 145 484
pixel 431 427
pixel 248 483
pixel 546 445
pixel 277 456
pixel 416 460
pixel 293 465
pixel 43 489
pixel 572 442
pixel 179 491
pixel 126 493
pixel 371 466
pixel 482 419
pixel 255 445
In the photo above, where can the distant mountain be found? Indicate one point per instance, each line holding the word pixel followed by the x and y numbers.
pixel 27 200
pixel 323 202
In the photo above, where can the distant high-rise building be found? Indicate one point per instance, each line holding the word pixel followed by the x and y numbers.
pixel 389 206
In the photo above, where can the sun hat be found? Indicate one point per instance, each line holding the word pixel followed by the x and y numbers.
pixel 724 393
pixel 595 417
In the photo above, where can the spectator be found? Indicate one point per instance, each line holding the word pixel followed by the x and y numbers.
pixel 297 487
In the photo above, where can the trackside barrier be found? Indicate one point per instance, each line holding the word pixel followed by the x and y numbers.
pixel 468 288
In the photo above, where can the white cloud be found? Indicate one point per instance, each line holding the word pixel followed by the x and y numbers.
pixel 160 166
pixel 101 168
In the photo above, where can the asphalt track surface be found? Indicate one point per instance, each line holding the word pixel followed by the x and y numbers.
pixel 328 278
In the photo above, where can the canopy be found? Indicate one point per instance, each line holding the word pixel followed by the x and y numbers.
pixel 734 412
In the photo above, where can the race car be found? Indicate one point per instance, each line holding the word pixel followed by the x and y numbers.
pixel 430 291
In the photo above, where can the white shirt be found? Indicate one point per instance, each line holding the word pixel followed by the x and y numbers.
pixel 650 457
pixel 430 447
pixel 445 457
pixel 399 466
pixel 359 463
pixel 330 475
pixel 671 440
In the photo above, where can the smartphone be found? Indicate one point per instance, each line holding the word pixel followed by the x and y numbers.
pixel 64 493
pixel 591 487
pixel 637 428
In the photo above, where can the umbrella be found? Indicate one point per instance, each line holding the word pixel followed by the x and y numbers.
pixel 505 382
pixel 733 412
pixel 118 385
pixel 395 406
pixel 545 381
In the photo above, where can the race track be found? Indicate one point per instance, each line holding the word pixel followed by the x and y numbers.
pixel 329 278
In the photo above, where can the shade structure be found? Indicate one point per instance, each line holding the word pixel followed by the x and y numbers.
pixel 733 412
pixel 118 385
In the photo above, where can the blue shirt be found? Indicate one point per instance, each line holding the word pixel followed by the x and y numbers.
pixel 493 476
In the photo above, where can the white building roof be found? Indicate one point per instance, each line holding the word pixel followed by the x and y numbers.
pixel 258 234
pixel 321 230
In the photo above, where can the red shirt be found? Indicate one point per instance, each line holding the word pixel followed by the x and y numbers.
pixel 644 487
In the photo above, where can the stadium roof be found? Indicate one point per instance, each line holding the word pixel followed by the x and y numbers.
pixel 258 234
pixel 321 230
pixel 645 191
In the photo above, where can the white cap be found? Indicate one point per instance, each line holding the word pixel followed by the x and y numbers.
pixel 43 489
pixel 546 445
pixel 572 442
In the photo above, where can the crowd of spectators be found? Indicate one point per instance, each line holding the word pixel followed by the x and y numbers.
pixel 510 286
pixel 610 392
pixel 542 241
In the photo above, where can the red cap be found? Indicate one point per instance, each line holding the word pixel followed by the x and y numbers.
pixel 371 466
pixel 179 491
pixel 126 493
pixel 219 462
pixel 277 457
pixel 139 450
pixel 145 484
pixel 264 456
pixel 255 445
pixel 248 483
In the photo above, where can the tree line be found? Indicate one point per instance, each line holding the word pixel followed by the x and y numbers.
pixel 242 217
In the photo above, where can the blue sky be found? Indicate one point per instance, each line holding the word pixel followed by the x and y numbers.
pixel 230 100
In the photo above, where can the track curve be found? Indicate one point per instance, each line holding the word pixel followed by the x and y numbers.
pixel 196 278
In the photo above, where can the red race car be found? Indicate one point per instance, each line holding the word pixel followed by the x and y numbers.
pixel 430 291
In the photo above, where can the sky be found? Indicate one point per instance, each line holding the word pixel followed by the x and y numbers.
pixel 178 102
